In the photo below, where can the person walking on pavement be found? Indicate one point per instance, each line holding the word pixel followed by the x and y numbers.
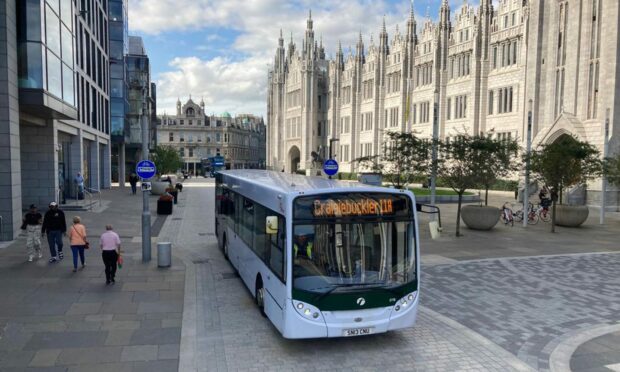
pixel 110 244
pixel 32 224
pixel 77 237
pixel 55 226
pixel 133 181
pixel 79 181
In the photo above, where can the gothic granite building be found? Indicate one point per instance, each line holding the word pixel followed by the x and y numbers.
pixel 197 136
pixel 482 66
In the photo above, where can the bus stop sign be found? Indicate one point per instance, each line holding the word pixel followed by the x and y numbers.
pixel 146 169
pixel 330 167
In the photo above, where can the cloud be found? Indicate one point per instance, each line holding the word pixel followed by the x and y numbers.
pixel 236 80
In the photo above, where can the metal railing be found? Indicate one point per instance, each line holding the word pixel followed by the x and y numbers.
pixel 92 191
pixel 88 193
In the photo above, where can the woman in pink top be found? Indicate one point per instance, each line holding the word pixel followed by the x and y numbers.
pixel 110 244
pixel 77 237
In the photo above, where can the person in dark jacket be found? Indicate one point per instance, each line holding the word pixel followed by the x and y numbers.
pixel 133 181
pixel 55 225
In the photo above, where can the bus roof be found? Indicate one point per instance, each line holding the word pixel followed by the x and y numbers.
pixel 287 183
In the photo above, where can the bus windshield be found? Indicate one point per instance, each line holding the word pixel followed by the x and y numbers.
pixel 353 241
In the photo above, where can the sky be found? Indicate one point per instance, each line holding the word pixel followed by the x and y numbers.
pixel 221 50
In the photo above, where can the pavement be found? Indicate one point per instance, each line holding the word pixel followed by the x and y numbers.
pixel 52 319
pixel 511 299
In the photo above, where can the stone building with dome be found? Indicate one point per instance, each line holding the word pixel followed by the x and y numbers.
pixel 197 136
pixel 480 65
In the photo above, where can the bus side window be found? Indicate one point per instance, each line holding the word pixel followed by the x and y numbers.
pixel 277 249
pixel 260 234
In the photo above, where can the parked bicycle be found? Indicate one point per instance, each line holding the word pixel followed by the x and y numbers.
pixel 507 215
pixel 532 215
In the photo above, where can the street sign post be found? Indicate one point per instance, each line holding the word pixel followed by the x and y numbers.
pixel 330 167
pixel 146 169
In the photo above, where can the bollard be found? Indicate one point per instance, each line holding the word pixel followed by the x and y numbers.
pixel 164 254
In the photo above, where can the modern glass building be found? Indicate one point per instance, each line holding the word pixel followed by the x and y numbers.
pixel 54 103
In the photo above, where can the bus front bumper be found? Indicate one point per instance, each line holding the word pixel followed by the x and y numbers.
pixel 350 322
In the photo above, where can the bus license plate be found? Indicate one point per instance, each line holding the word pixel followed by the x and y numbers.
pixel 357 332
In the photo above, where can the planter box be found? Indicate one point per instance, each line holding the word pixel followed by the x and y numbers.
pixel 571 215
pixel 164 207
pixel 159 187
pixel 480 217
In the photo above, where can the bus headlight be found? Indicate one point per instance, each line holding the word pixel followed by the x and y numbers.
pixel 405 302
pixel 307 311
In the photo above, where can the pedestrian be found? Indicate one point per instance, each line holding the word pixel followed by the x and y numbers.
pixel 32 224
pixel 133 181
pixel 55 226
pixel 77 237
pixel 79 181
pixel 110 244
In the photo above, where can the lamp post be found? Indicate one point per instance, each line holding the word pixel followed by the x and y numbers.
pixel 146 213
pixel 526 188
pixel 434 147
pixel 604 181
pixel 331 141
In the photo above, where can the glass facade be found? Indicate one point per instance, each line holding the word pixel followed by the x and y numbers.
pixel 117 17
pixel 46 47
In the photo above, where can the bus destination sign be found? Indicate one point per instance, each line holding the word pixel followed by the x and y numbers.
pixel 350 205
pixel 360 207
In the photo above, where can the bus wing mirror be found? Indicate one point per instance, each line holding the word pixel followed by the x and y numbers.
pixel 271 226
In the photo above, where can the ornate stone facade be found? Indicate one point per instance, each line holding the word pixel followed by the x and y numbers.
pixel 196 135
pixel 481 65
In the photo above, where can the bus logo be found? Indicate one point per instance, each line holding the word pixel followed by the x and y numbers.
pixel 361 301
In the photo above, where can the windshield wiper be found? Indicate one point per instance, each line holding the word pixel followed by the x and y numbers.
pixel 360 285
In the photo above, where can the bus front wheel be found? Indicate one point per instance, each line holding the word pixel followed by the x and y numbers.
pixel 260 296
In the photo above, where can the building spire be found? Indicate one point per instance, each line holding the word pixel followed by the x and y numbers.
pixel 383 27
pixel 309 22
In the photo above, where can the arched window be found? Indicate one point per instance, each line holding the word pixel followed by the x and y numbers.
pixel 190 112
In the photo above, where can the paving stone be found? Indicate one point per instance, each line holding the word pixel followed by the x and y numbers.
pixel 45 358
pixel 120 324
pixel 84 308
pixel 15 358
pixel 170 351
pixel 62 340
pixel 135 353
pixel 160 336
pixel 160 307
pixel 119 337
pixel 156 365
pixel 102 367
pixel 88 355
pixel 146 296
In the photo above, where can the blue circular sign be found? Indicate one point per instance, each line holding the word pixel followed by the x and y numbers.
pixel 146 169
pixel 330 167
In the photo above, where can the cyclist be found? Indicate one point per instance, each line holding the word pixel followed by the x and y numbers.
pixel 507 214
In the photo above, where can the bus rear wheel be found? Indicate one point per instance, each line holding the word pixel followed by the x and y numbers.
pixel 260 297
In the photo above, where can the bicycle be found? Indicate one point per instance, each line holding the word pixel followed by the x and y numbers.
pixel 543 210
pixel 532 216
pixel 507 215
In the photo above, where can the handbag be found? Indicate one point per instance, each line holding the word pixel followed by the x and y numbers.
pixel 86 243
pixel 119 261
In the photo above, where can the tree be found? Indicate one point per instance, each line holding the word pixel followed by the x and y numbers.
pixel 461 165
pixel 565 163
pixel 612 170
pixel 403 158
pixel 494 158
pixel 166 159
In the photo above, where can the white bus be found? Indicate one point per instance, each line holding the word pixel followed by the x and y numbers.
pixel 323 258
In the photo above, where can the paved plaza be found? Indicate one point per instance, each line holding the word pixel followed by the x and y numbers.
pixel 512 299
